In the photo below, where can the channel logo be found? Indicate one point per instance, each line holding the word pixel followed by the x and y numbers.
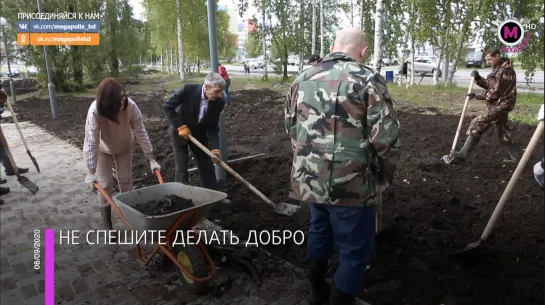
pixel 511 32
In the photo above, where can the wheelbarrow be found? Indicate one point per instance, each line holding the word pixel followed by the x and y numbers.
pixel 191 260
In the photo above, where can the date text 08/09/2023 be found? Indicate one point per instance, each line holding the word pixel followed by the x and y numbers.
pixel 182 237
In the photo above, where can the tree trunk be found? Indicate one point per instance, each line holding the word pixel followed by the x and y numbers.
pixel 438 63
pixel 460 43
pixel 362 24
pixel 378 35
pixel 313 26
pixel 264 31
pixel 322 28
pixel 411 83
pixel 302 37
pixel 180 48
pixel 352 13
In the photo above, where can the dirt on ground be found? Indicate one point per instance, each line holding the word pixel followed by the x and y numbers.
pixel 167 205
pixel 432 210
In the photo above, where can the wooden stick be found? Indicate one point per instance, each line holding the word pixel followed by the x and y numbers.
pixel 462 116
pixel 511 185
pixel 234 160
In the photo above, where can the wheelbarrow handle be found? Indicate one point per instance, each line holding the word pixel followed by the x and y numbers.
pixel 112 203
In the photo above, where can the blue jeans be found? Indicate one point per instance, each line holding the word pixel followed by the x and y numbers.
pixel 352 229
pixel 4 159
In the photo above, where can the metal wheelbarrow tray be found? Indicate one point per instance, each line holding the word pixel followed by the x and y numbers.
pixel 191 260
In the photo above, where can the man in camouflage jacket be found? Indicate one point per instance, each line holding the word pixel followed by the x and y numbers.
pixel 500 97
pixel 345 141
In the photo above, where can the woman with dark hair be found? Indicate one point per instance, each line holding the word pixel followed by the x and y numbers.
pixel 113 121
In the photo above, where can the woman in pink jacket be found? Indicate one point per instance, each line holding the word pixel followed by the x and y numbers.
pixel 113 121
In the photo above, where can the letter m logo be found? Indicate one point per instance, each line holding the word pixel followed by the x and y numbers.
pixel 510 32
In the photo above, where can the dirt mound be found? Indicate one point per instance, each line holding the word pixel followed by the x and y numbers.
pixel 433 208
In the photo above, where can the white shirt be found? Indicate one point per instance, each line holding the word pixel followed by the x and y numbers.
pixel 204 105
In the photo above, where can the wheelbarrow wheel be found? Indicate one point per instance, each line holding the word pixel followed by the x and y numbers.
pixel 190 257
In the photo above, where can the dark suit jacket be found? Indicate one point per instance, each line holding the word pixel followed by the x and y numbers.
pixel 183 107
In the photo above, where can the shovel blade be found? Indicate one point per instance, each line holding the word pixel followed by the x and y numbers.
pixel 34 161
pixel 448 158
pixel 466 252
pixel 286 208
pixel 29 185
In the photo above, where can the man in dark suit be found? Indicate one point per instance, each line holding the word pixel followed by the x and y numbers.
pixel 195 109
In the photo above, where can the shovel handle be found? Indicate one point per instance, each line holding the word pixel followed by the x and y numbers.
pixel 15 120
pixel 511 185
pixel 231 171
pixel 462 116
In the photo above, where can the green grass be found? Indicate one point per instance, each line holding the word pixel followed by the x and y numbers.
pixel 450 99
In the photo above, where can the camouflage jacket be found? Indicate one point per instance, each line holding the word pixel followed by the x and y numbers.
pixel 344 133
pixel 500 85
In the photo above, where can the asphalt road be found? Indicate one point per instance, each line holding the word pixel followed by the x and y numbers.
pixel 461 76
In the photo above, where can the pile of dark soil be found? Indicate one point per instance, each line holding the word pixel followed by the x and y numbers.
pixel 167 205
pixel 432 210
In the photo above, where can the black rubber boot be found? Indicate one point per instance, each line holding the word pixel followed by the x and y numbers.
pixel 339 297
pixel 469 146
pixel 515 153
pixel 4 190
pixel 319 293
pixel 22 170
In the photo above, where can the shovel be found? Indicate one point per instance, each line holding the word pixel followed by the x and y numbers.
pixel 472 247
pixel 449 158
pixel 22 180
pixel 21 133
pixel 280 208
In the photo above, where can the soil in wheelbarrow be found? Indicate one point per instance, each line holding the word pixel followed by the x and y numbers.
pixel 167 205
pixel 432 210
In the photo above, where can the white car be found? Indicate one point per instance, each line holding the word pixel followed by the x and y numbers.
pixel 424 65
pixel 255 64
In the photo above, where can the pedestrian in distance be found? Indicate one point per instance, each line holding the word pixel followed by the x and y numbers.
pixel 223 72
pixel 500 96
pixel 113 122
pixel 195 110
pixel 345 140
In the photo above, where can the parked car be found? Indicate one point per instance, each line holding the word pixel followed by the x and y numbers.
pixel 388 62
pixel 476 59
pixel 32 70
pixel 15 72
pixel 425 65
pixel 255 64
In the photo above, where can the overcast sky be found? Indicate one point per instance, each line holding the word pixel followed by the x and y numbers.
pixel 138 9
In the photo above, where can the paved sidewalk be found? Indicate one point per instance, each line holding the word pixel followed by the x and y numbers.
pixel 102 274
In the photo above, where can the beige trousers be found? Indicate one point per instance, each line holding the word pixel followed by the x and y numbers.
pixel 104 173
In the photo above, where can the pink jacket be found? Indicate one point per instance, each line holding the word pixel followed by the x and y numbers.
pixel 108 137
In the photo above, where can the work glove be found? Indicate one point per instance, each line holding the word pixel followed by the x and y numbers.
pixel 184 132
pixel 154 166
pixel 90 181
pixel 217 159
pixel 475 74
pixel 540 113
pixel 539 173
pixel 471 96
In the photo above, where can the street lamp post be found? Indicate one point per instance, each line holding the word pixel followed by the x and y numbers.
pixel 3 23
pixel 220 172
pixel 50 85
